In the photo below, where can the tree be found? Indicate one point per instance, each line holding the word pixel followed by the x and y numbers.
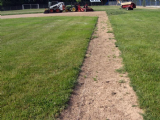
pixel 20 2
pixel 78 1
pixel 0 3
pixel 144 3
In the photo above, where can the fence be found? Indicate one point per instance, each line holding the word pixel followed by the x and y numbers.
pixel 139 3
pixel 108 2
pixel 20 7
pixel 147 3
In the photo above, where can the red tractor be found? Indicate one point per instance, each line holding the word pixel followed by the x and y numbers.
pixel 77 8
pixel 56 7
pixel 128 5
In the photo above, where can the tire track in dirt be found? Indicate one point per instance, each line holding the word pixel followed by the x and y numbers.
pixel 101 93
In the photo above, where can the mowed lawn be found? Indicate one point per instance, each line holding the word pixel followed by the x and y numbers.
pixel 40 62
pixel 138 37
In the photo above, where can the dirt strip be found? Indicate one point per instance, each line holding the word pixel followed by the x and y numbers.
pixel 97 13
pixel 101 93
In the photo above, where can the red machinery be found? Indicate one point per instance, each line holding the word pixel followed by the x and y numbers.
pixel 56 7
pixel 85 8
pixel 77 8
pixel 128 5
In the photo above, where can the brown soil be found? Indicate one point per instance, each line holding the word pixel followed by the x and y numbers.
pixel 101 93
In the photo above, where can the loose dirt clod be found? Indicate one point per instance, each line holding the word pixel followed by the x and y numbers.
pixel 105 97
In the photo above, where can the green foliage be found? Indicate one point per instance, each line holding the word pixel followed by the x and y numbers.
pixel 78 1
pixel 41 61
pixel 0 3
pixel 144 3
pixel 20 2
pixel 25 11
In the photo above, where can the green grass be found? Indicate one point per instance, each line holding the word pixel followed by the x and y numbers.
pixel 104 8
pixel 25 11
pixel 41 59
pixel 138 37
pixel 40 63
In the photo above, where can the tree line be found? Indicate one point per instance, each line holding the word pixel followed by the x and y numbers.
pixel 20 2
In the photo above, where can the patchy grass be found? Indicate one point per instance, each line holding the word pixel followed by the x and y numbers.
pixel 138 37
pixel 121 70
pixel 95 79
pixel 41 60
pixel 93 37
pixel 109 31
pixel 122 81
pixel 25 11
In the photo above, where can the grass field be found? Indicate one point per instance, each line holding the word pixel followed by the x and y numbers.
pixel 104 8
pixel 138 37
pixel 41 60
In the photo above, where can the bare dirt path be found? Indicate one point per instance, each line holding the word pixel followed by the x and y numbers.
pixel 97 13
pixel 101 93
